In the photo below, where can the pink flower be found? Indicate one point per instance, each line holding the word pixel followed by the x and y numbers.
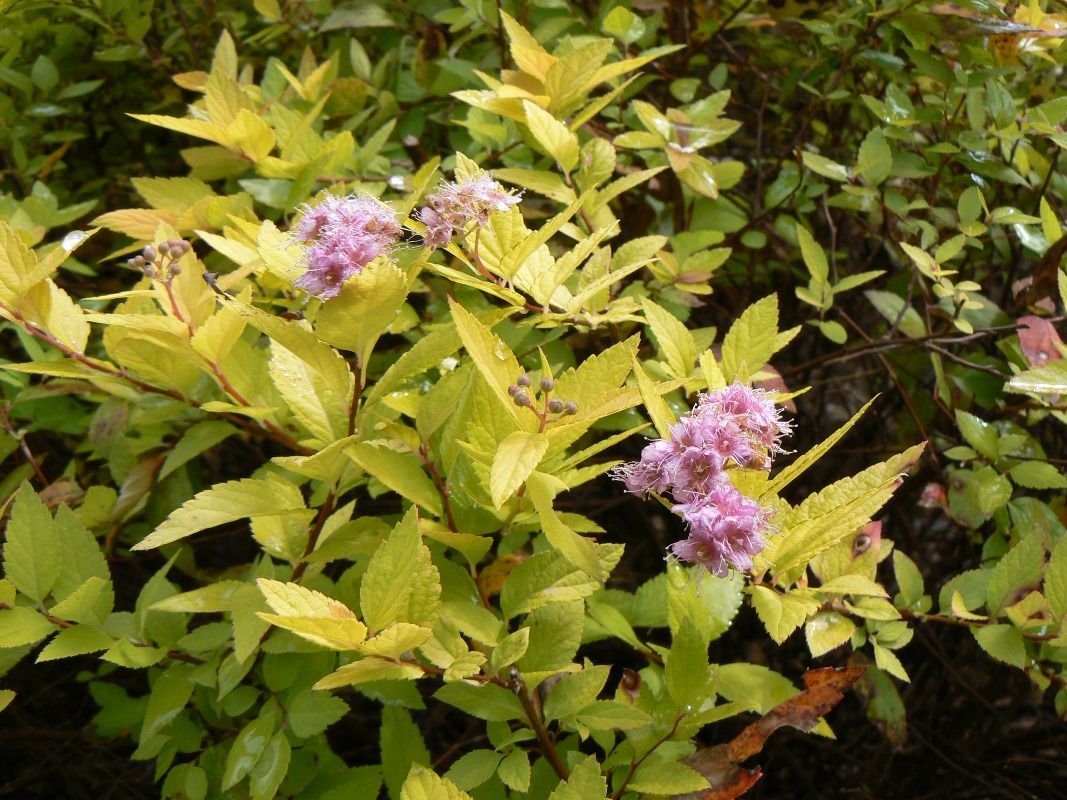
pixel 341 235
pixel 734 427
pixel 455 205
pixel 725 529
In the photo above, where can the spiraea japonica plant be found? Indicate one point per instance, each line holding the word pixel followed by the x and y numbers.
pixel 383 374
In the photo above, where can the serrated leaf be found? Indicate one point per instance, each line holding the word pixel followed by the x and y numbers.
pixel 78 640
pixel 80 605
pixel 366 306
pixel 515 257
pixel 494 359
pixel 309 395
pixel 661 775
pixel 21 626
pixel 575 548
pixel 708 601
pixel 875 159
pixel 814 256
pixel 555 138
pixel 19 268
pixel 660 413
pixel 396 640
pixel 574 692
pixel 401 472
pixel 548 577
pixel 6 696
pixel 424 784
pixel 606 715
pixel 781 614
pixel 1003 642
pixel 676 343
pixel 827 630
pixel 517 456
pixel 226 502
pixel 751 339
pixel 310 713
pixel 511 648
pixel 1037 475
pixel 489 701
pixel 368 670
pixel 979 434
pixel 474 768
pixel 514 770
pixel 247 747
pixel 686 669
pixel 32 551
pixel 584 783
pixel 401 584
pixel 1022 566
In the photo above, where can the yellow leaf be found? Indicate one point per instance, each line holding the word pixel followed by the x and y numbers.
pixel 366 306
pixel 192 127
pixel 50 308
pixel 294 600
pixel 336 634
pixel 424 784
pixel 529 56
pixel 517 456
pixel 369 669
pixel 137 223
pixel 250 135
pixel 555 138
pixel 397 639
pixel 19 268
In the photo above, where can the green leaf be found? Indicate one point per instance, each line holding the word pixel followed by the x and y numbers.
pixel 365 308
pixel 979 434
pixel 751 339
pixel 548 577
pixel 226 502
pixel 821 165
pixel 169 695
pixel 514 770
pixel 511 649
pixel 82 605
pixel 575 691
pixel 875 159
pixel 1037 475
pixel 711 603
pixel 584 783
pixel 6 696
pixel 910 581
pixel 686 669
pixel 78 640
pixel 1003 642
pixel 827 630
pixel 517 456
pixel 246 750
pixel 402 749
pixel 309 395
pixel 660 775
pixel 198 439
pixel 489 701
pixel 607 715
pixel 401 584
pixel 310 713
pixel 271 769
pixel 651 395
pixel 401 472
pixel 814 257
pixel 1020 568
pixel 424 784
pixel 20 626
pixel 473 769
pixel 1055 587
pixel 32 551
pixel 892 307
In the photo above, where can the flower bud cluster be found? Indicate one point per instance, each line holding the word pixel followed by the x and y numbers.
pixel 737 426
pixel 455 205
pixel 547 385
pixel 341 235
pixel 160 262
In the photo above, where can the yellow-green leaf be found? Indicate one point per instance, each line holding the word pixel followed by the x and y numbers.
pixel 555 138
pixel 517 456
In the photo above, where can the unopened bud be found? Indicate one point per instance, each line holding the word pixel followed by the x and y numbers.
pixel 547 384
pixel 151 272
pixel 174 269
pixel 149 253
pixel 137 262
pixel 524 380
pixel 514 390
pixel 555 405
pixel 177 251
pixel 570 407
pixel 523 399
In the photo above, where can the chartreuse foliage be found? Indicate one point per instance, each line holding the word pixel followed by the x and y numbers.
pixel 414 541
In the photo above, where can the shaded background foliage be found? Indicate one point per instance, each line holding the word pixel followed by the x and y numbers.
pixel 935 84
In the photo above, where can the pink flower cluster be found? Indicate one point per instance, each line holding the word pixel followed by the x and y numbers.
pixel 454 205
pixel 341 235
pixel 734 427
